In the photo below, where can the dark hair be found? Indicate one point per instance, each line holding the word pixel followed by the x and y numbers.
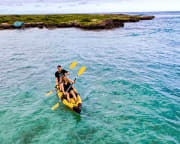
pixel 58 66
pixel 63 81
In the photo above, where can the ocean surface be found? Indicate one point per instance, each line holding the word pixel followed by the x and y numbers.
pixel 130 89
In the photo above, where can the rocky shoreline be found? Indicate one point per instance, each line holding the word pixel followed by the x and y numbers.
pixel 106 23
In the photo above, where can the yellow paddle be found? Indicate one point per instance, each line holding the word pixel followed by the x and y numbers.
pixel 50 92
pixel 55 106
pixel 71 67
pixel 79 73
pixel 81 70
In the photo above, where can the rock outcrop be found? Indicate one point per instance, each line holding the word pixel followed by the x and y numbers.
pixel 104 24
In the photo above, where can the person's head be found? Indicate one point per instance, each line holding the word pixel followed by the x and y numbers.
pixel 59 67
pixel 64 78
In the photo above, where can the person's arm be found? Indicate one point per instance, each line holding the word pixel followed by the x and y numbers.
pixel 56 81
pixel 71 81
pixel 61 79
pixel 63 89
pixel 65 72
pixel 56 77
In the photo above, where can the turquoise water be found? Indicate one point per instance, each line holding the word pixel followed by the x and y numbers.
pixel 130 90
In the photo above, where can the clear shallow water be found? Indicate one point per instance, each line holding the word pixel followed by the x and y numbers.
pixel 130 90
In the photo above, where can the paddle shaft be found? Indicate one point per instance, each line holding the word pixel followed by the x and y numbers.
pixel 71 84
pixel 79 73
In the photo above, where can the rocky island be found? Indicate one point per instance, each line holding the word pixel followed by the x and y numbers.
pixel 84 21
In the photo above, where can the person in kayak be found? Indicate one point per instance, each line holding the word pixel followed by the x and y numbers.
pixel 58 75
pixel 65 85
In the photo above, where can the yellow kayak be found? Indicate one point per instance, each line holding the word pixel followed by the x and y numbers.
pixel 72 105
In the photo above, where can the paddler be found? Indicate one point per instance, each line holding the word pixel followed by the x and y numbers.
pixel 58 75
pixel 67 88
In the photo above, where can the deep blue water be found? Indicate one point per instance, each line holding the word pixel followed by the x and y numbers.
pixel 130 90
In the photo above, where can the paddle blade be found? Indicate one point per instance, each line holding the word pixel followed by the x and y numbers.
pixel 55 106
pixel 49 93
pixel 81 70
pixel 73 65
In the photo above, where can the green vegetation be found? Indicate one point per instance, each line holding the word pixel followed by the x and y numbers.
pixel 82 19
